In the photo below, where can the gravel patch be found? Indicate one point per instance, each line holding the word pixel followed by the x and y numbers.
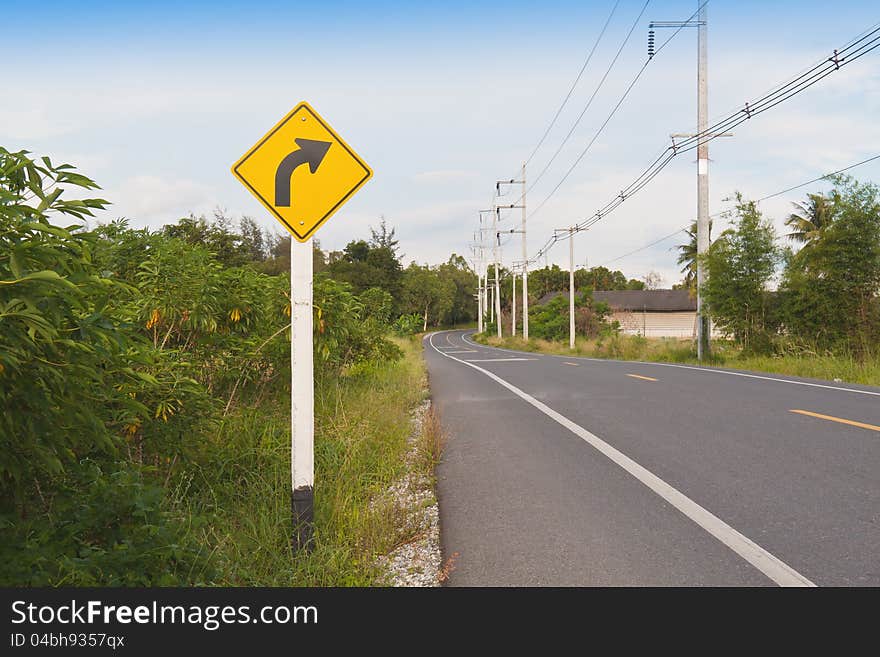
pixel 417 562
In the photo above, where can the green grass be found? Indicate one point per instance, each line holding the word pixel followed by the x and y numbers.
pixel 828 367
pixel 362 424
pixel 724 354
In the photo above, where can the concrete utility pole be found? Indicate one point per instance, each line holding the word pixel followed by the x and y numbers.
pixel 703 328
pixel 522 230
pixel 491 301
pixel 483 276
pixel 525 255
pixel 513 303
pixel 477 295
pixel 496 245
pixel 478 269
pixel 571 231
pixel 571 290
pixel 302 393
pixel 479 302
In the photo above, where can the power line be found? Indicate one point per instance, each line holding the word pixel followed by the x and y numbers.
pixel 866 43
pixel 592 97
pixel 763 198
pixel 613 111
pixel 800 73
pixel 646 246
pixel 574 84
pixel 789 89
pixel 827 175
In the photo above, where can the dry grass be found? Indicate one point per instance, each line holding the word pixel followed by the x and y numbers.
pixel 431 441
pixel 362 428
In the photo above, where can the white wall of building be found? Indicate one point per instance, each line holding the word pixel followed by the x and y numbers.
pixel 659 324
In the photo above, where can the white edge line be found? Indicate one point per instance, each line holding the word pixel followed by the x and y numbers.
pixel 491 360
pixel 711 370
pixel 773 567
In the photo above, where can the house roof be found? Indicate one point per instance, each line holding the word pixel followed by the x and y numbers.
pixel 645 300
pixel 552 295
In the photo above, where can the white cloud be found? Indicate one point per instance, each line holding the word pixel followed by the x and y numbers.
pixel 32 123
pixel 444 176
pixel 438 141
pixel 153 201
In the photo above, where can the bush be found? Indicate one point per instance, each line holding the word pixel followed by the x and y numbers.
pixel 118 350
pixel 345 334
pixel 103 526
pixel 408 324
pixel 551 322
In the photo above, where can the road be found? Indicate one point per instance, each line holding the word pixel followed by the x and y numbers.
pixel 564 471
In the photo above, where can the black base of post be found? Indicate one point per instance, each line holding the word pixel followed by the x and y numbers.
pixel 303 511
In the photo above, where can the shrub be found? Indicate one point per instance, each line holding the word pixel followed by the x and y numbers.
pixel 551 322
pixel 103 526
pixel 408 324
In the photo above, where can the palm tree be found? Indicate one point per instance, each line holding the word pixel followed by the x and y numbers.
pixel 813 217
pixel 687 256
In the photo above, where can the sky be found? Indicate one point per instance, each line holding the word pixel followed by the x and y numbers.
pixel 155 101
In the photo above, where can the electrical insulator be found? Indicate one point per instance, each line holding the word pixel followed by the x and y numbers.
pixel 650 43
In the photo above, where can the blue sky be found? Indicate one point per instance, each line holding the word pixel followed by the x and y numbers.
pixel 157 100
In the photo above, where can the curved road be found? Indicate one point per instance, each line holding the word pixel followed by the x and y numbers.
pixel 568 471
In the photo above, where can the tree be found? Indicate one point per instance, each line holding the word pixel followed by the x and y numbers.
pixel 812 217
pixel 217 236
pixel 830 289
pixel 254 240
pixel 550 321
pixel 384 237
pixel 463 284
pixel 600 278
pixel 357 251
pixel 364 265
pixel 653 280
pixel 740 264
pixel 546 280
pixel 687 257
pixel 555 279
pixel 427 293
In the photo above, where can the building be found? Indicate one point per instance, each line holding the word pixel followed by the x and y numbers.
pixel 652 313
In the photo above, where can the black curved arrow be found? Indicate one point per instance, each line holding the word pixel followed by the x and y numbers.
pixel 310 152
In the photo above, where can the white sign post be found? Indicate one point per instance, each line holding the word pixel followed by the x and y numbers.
pixel 302 172
pixel 302 394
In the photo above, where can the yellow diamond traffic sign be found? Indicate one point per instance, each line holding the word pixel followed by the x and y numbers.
pixel 302 171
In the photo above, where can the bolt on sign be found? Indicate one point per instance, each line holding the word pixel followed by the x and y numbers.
pixel 302 171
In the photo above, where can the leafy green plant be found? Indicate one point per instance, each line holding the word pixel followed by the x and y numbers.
pixel 104 526
pixel 829 289
pixel 58 350
pixel 740 264
pixel 407 324
pixel 550 321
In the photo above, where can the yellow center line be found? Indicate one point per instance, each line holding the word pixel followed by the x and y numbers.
pixel 831 418
pixel 565 362
pixel 644 378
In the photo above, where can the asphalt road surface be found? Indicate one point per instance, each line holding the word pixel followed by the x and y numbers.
pixel 565 471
